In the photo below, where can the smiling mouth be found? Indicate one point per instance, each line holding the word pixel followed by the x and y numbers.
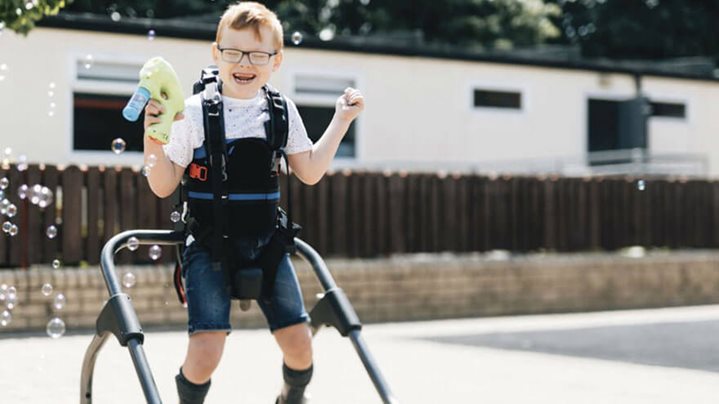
pixel 243 78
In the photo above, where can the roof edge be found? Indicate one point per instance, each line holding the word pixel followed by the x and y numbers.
pixel 202 31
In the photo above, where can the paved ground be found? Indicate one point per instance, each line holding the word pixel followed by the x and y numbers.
pixel 642 356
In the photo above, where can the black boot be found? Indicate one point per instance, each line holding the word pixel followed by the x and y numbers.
pixel 191 393
pixel 293 392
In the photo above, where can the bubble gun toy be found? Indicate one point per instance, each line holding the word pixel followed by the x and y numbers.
pixel 158 81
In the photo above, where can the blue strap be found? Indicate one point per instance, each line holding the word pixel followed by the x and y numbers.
pixel 200 152
pixel 271 196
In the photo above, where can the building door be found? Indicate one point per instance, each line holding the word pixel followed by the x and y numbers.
pixel 617 125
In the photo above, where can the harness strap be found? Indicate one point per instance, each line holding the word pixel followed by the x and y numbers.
pixel 276 129
pixel 217 152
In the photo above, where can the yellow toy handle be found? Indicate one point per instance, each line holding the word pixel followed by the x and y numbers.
pixel 158 81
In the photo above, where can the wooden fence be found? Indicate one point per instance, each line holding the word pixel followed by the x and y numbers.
pixel 367 214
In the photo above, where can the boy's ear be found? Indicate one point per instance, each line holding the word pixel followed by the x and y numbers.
pixel 278 61
pixel 215 53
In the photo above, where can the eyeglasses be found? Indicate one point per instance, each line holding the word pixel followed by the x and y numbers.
pixel 257 58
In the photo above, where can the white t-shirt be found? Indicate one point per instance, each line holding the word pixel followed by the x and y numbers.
pixel 243 119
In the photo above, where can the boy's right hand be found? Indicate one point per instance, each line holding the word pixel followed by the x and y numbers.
pixel 153 110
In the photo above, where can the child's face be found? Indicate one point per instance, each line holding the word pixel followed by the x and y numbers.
pixel 243 79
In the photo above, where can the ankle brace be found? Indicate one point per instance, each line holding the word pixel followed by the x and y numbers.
pixel 295 383
pixel 191 393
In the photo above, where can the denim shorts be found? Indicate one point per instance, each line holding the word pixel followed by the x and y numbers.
pixel 208 298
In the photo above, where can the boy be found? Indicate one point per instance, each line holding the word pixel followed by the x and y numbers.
pixel 248 49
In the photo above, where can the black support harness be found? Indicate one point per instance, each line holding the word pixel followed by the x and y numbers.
pixel 231 190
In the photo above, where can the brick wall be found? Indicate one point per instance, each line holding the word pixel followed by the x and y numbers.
pixel 416 287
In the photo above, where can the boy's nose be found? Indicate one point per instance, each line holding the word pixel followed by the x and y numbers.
pixel 242 58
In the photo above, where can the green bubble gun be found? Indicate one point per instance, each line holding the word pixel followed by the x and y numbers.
pixel 158 81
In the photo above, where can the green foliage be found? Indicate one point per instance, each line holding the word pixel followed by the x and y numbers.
pixel 641 29
pixel 20 15
pixel 603 28
pixel 485 23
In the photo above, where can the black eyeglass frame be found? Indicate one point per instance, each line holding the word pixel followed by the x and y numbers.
pixel 248 53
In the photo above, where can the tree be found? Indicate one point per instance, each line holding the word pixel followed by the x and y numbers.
pixel 485 23
pixel 645 29
pixel 20 15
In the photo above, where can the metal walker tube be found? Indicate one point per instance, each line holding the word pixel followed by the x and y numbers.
pixel 121 319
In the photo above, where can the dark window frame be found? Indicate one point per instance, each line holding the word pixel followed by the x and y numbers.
pixel 672 110
pixel 508 100
pixel 97 121
pixel 316 119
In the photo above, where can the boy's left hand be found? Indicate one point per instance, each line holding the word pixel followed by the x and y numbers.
pixel 349 104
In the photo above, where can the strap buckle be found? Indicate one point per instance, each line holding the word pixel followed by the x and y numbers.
pixel 223 165
pixel 198 172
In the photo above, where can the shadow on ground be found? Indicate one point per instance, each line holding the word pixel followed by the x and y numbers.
pixel 676 344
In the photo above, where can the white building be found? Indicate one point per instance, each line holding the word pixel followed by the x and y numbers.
pixel 63 85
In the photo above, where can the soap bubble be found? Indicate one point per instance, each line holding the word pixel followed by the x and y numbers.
pixel 46 289
pixel 11 297
pixel 2 194
pixel 56 264
pixel 151 160
pixel 29 5
pixel 297 38
pixel 3 71
pixel 145 171
pixel 115 16
pixel 6 226
pixel 5 318
pixel 51 232
pixel 118 145
pixel 22 162
pixel 7 157
pixel 88 62
pixel 46 197
pixel 4 182
pixel 175 216
pixel 129 279
pixel 51 113
pixel 133 243
pixel 155 252
pixel 22 191
pixel 11 210
pixel 55 328
pixel 59 301
pixel 35 194
pixel 641 185
pixel 151 35
pixel 13 230
pixel 40 195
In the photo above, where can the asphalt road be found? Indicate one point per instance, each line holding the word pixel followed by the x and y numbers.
pixel 640 356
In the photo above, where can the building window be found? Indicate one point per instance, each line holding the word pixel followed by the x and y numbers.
pixel 101 90
pixel 669 110
pixel 497 99
pixel 316 120
pixel 315 97
pixel 98 120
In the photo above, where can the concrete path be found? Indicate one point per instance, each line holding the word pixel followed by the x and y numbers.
pixel 641 356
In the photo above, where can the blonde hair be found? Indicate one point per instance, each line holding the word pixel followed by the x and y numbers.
pixel 253 15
